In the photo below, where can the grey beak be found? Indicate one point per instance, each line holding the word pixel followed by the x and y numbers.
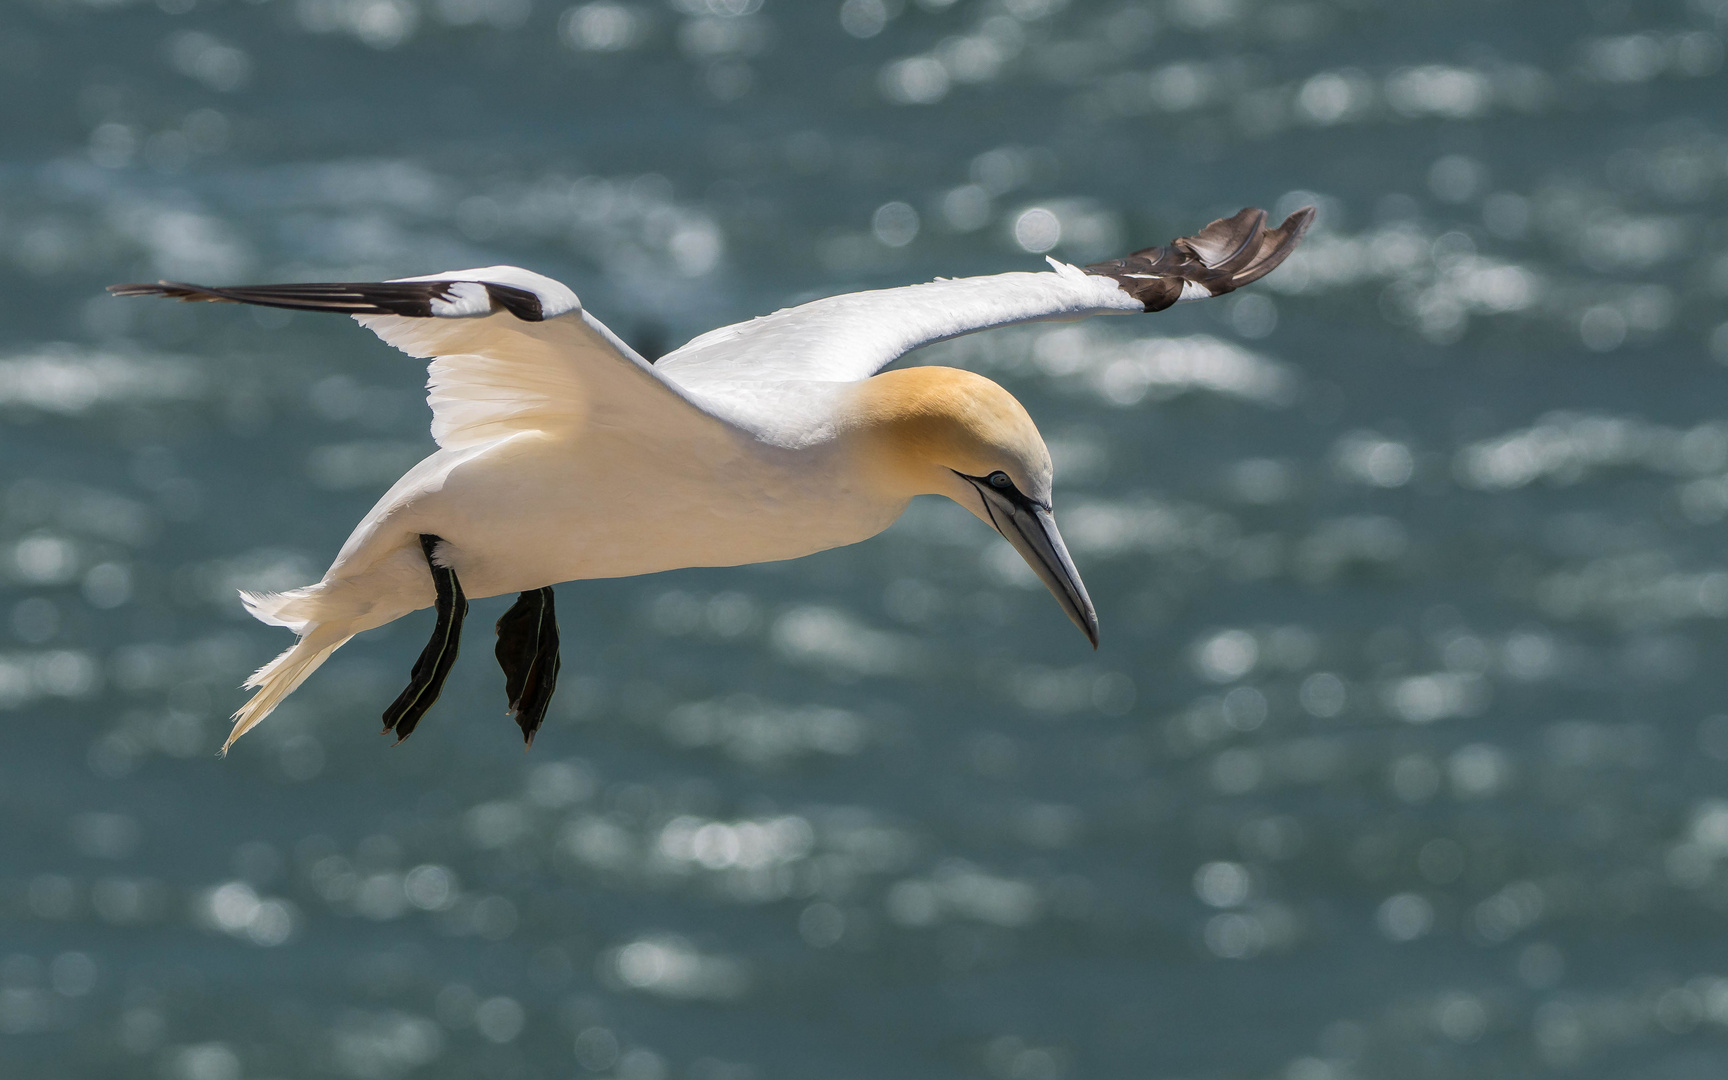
pixel 1032 531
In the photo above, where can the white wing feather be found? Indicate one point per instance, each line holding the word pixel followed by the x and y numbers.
pixel 851 337
pixel 848 338
pixel 493 375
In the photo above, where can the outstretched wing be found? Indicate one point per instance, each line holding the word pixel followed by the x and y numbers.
pixel 511 350
pixel 851 337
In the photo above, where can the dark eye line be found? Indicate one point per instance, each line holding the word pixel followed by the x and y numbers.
pixel 1002 482
pixel 999 480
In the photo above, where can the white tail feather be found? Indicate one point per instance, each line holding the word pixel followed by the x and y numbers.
pixel 279 678
pixel 296 609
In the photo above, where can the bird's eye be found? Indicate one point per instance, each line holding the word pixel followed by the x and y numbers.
pixel 999 480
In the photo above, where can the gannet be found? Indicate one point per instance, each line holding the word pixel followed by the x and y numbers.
pixel 563 455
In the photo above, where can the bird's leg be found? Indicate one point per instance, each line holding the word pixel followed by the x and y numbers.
pixel 528 653
pixel 436 660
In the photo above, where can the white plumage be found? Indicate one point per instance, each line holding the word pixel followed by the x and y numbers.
pixel 563 455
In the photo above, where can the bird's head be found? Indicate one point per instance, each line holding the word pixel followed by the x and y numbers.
pixel 942 431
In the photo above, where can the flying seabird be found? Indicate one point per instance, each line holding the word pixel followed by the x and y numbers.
pixel 563 455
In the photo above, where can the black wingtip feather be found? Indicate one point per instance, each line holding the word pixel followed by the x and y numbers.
pixel 1224 256
pixel 410 299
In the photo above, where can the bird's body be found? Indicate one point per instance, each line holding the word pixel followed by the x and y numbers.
pixel 533 509
pixel 564 456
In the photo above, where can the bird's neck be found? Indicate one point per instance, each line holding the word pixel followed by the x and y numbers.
pixel 891 429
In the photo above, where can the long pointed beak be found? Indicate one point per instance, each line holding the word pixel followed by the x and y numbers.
pixel 1032 531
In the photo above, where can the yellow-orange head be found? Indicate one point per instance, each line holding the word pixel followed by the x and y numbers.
pixel 921 426
pixel 939 431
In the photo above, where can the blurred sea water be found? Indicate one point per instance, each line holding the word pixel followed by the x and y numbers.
pixel 1406 751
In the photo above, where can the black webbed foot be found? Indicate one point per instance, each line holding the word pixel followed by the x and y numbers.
pixel 528 653
pixel 427 679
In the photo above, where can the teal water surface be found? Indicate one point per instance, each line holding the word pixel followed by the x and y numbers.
pixel 1405 754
